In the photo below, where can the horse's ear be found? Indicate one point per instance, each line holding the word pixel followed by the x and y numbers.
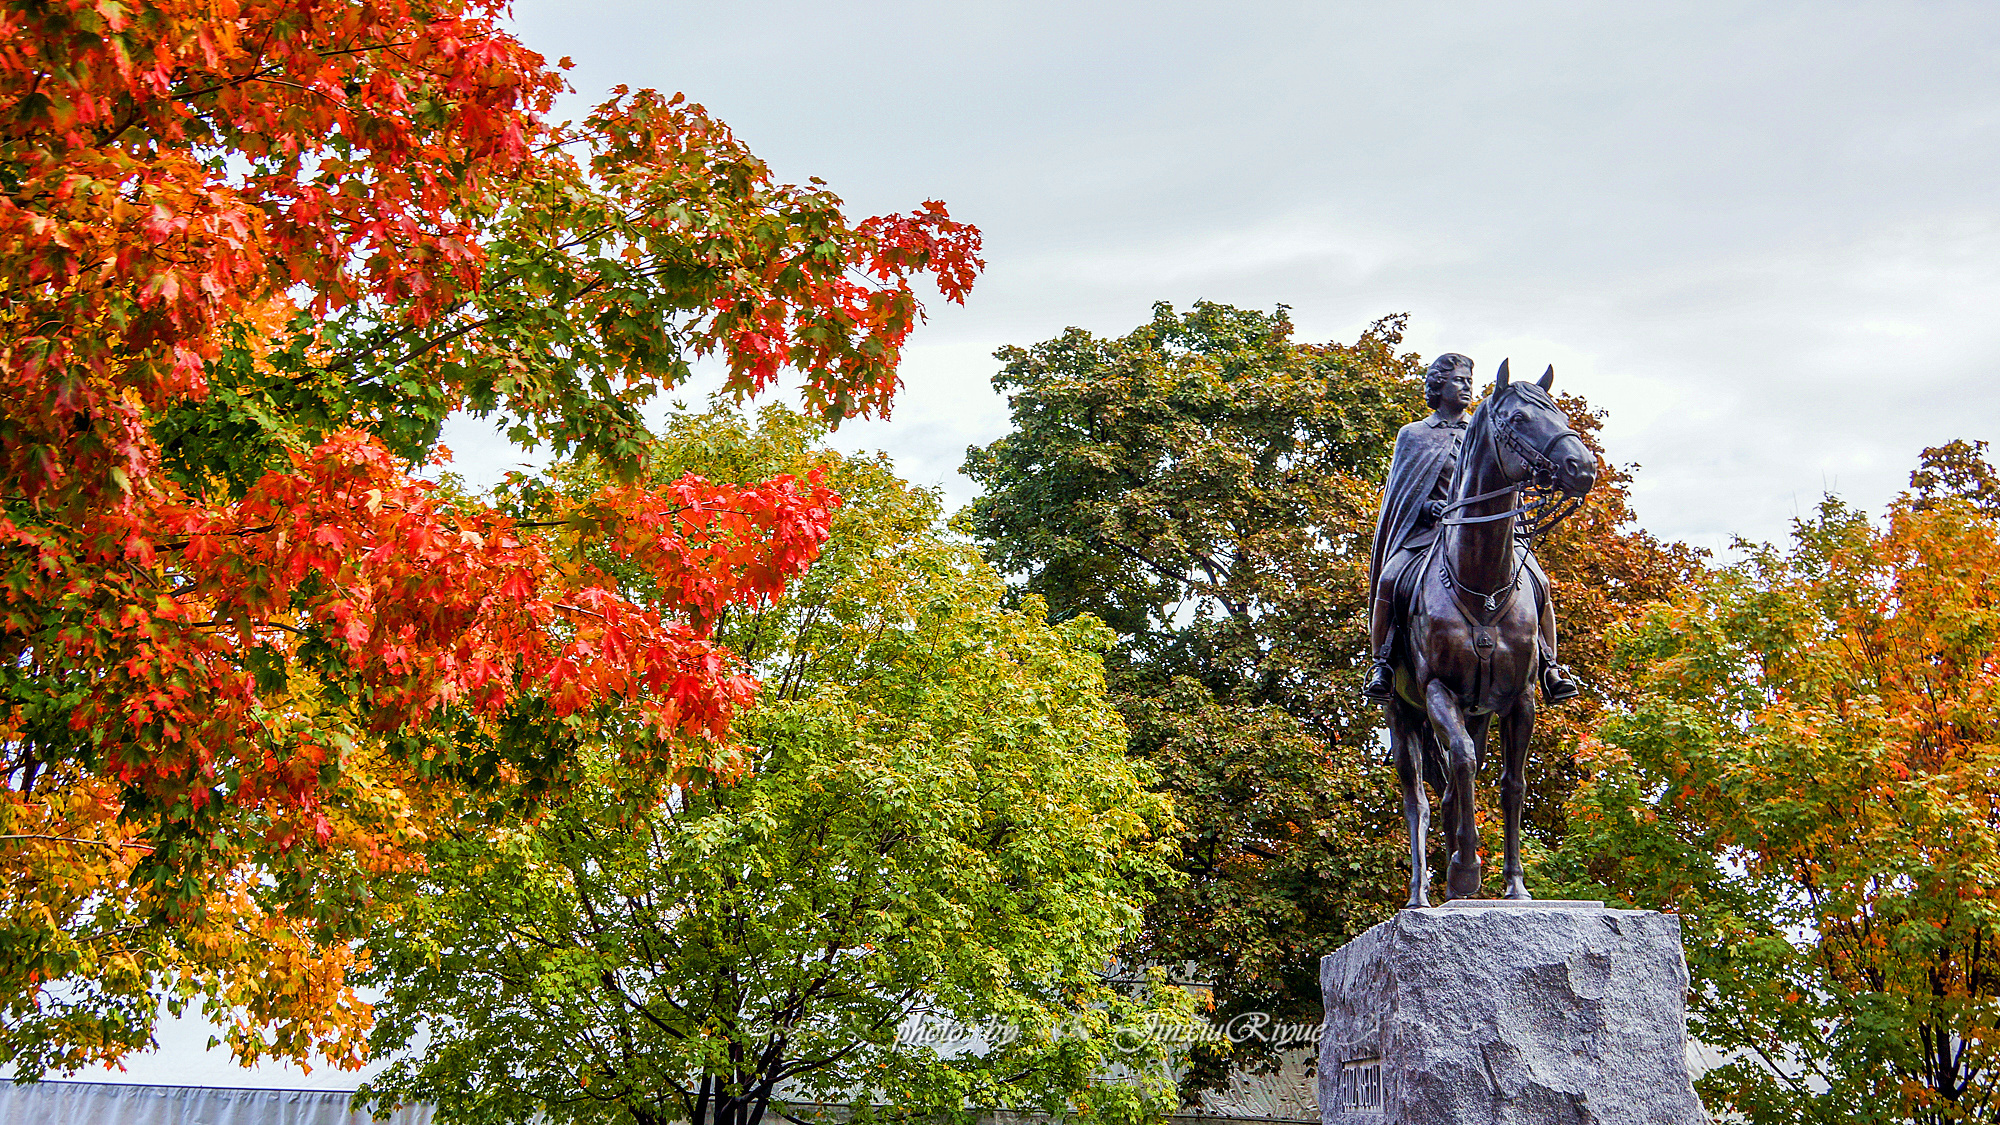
pixel 1500 380
pixel 1548 378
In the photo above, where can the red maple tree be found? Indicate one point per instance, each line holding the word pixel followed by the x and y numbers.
pixel 256 251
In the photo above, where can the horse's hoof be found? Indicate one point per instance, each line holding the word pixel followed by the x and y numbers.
pixel 1520 895
pixel 1463 879
pixel 1418 902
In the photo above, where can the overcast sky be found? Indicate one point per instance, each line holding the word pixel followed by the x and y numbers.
pixel 1765 237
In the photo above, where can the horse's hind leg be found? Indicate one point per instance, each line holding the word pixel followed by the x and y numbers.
pixel 1461 762
pixel 1515 729
pixel 1407 744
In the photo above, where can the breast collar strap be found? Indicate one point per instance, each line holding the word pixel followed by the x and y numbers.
pixel 1494 604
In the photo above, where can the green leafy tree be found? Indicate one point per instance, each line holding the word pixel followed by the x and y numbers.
pixel 1208 485
pixel 937 823
pixel 1806 773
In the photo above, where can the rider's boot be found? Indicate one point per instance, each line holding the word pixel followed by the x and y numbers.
pixel 1381 681
pixel 1557 686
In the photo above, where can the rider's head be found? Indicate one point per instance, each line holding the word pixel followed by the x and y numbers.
pixel 1439 375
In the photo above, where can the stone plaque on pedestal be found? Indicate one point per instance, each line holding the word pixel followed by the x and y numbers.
pixel 1493 1012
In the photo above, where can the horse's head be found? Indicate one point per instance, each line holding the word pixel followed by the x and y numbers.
pixel 1536 445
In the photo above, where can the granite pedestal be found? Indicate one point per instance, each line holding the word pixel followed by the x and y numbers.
pixel 1486 1012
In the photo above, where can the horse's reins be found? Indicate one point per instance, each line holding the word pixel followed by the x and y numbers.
pixel 1544 508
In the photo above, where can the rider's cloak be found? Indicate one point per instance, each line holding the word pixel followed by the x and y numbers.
pixel 1425 452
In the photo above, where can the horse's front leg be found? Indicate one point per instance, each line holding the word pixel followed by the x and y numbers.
pixel 1407 744
pixel 1461 760
pixel 1516 726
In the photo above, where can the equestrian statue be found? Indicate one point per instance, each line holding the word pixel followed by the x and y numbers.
pixel 1462 626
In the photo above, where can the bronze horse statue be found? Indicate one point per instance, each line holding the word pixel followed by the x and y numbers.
pixel 1469 622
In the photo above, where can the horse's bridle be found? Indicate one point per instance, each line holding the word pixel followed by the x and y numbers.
pixel 1544 506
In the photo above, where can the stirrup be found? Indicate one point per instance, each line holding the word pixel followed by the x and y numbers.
pixel 1557 686
pixel 1381 682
